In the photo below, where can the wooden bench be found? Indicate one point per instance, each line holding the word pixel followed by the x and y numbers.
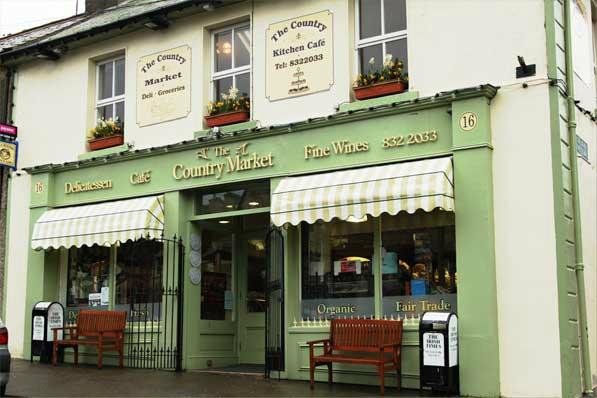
pixel 360 341
pixel 102 329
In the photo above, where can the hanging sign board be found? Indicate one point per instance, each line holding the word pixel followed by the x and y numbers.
pixel 299 56
pixel 8 154
pixel 8 130
pixel 164 86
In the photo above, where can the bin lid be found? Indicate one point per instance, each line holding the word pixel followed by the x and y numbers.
pixel 436 316
pixel 42 305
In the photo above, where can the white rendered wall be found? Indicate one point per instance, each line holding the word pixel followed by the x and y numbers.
pixel 584 91
pixel 17 249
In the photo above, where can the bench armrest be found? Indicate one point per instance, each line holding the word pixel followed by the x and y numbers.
pixel 326 346
pixel 72 331
pixel 325 341
pixel 388 345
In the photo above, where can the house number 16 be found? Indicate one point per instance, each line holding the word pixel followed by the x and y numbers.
pixel 468 121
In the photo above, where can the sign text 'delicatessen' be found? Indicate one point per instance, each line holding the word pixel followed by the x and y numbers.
pixel 164 86
pixel 299 56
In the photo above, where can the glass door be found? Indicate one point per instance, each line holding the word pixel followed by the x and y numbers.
pixel 251 269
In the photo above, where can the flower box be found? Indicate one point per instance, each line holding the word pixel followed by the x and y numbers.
pixel 379 89
pixel 223 119
pixel 106 142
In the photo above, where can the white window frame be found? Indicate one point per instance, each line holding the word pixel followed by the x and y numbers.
pixel 234 71
pixel 382 39
pixel 115 98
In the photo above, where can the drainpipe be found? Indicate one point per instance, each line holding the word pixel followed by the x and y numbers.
pixel 579 266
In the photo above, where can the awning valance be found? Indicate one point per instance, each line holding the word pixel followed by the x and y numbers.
pixel 425 184
pixel 102 223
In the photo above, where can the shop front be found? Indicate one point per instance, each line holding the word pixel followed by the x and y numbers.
pixel 383 210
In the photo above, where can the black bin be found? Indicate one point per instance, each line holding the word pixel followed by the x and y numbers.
pixel 438 352
pixel 45 316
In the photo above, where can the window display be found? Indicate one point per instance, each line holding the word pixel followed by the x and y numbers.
pixel 418 264
pixel 138 273
pixel 337 277
pixel 88 272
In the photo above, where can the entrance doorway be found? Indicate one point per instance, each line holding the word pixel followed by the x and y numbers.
pixel 233 298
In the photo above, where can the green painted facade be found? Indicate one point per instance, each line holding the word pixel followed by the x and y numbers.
pixel 250 153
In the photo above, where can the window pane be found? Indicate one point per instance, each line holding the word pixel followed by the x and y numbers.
pixel 337 273
pixel 368 54
pixel 243 84
pixel 398 49
pixel 216 275
pixel 221 86
pixel 139 279
pixel 223 50
pixel 119 76
pixel 88 270
pixel 105 81
pixel 105 112
pixel 256 275
pixel 120 111
pixel 394 15
pixel 369 18
pixel 250 196
pixel 418 263
pixel 242 47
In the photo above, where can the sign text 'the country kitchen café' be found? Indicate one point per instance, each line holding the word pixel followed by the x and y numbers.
pixel 299 55
pixel 164 86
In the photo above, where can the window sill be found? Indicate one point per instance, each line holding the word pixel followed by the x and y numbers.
pixel 228 128
pixel 385 100
pixel 103 152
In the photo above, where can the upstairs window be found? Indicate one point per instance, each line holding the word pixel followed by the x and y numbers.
pixel 110 90
pixel 231 61
pixel 381 30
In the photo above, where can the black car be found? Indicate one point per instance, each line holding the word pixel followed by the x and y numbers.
pixel 4 359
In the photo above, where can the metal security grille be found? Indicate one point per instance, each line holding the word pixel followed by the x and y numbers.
pixel 155 316
pixel 274 294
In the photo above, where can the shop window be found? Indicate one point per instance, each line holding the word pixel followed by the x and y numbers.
pixel 138 277
pixel 337 269
pixel 231 61
pixel 110 90
pixel 418 264
pixel 381 30
pixel 88 276
pixel 250 196
pixel 216 275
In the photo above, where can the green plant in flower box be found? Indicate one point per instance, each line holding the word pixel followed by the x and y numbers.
pixel 392 70
pixel 106 128
pixel 230 102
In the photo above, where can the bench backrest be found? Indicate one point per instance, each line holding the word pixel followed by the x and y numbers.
pixel 90 322
pixel 364 334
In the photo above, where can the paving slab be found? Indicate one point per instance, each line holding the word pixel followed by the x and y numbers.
pixel 42 380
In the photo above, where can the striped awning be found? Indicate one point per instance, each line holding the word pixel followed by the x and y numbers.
pixel 102 223
pixel 425 184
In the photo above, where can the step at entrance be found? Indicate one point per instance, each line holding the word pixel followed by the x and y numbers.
pixel 248 369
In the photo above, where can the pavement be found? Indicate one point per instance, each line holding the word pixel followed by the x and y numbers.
pixel 42 380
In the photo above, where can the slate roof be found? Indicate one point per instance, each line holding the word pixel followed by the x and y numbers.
pixel 124 14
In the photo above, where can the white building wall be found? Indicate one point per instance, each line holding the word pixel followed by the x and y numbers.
pixel 584 90
pixel 16 275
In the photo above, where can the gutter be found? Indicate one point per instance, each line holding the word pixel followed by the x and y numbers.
pixel 578 250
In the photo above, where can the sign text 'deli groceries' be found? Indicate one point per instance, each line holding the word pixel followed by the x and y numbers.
pixel 299 56
pixel 164 86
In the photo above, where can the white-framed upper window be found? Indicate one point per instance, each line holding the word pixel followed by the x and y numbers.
pixel 380 30
pixel 110 89
pixel 231 60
